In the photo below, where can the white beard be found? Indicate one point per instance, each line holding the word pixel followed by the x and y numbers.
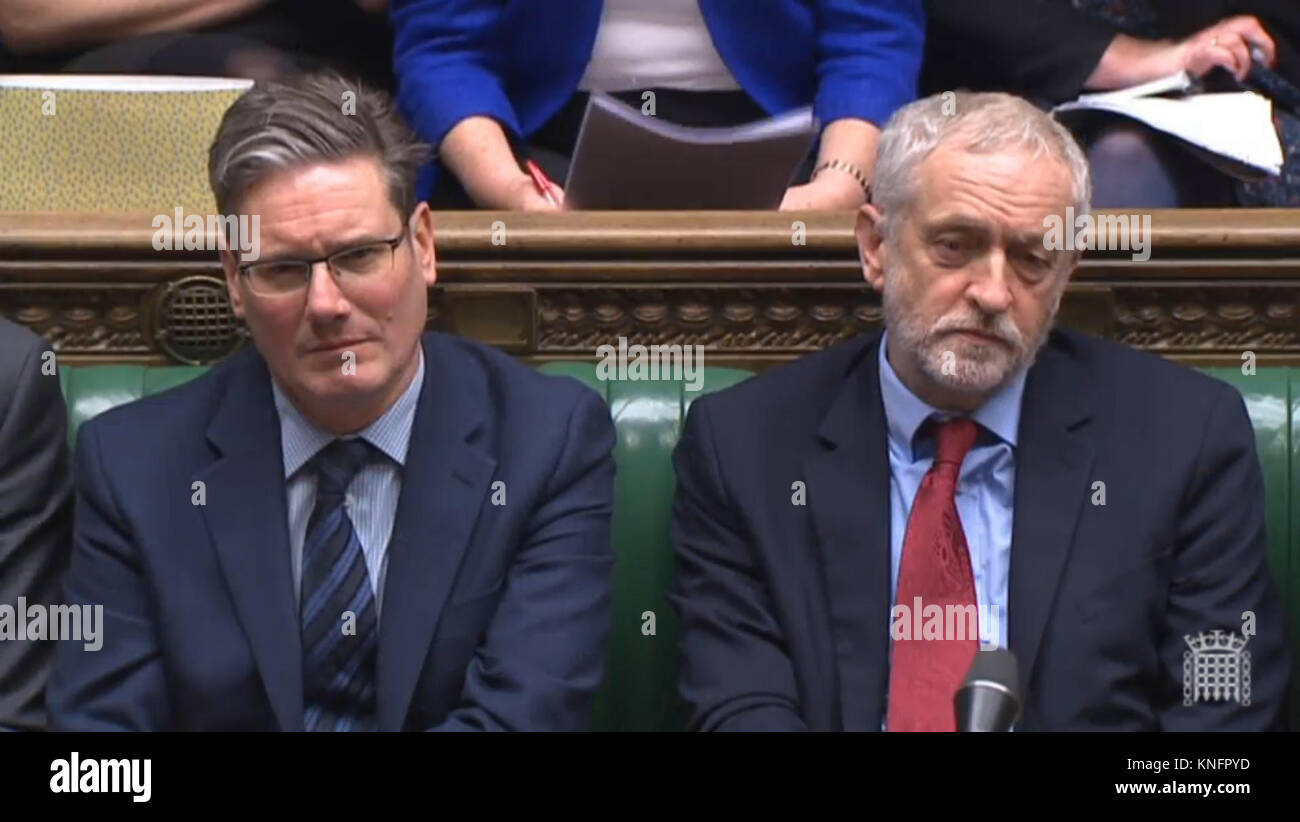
pixel 956 363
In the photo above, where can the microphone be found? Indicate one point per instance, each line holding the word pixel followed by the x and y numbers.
pixel 988 699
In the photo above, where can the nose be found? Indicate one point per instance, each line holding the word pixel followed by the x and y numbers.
pixel 990 289
pixel 324 299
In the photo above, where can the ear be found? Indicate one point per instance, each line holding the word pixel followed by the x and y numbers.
pixel 230 265
pixel 422 243
pixel 872 249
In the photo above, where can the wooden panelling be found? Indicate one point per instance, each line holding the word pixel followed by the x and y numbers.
pixel 754 287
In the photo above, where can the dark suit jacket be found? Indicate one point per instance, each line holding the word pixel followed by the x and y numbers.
pixel 35 513
pixel 494 616
pixel 1044 50
pixel 785 607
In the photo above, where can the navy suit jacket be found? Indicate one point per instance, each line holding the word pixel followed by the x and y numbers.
pixel 518 61
pixel 494 616
pixel 785 607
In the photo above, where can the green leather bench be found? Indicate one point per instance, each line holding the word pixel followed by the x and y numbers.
pixel 639 690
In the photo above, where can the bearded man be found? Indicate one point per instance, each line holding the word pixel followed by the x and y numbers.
pixel 1092 508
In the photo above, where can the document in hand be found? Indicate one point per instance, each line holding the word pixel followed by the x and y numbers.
pixel 628 160
pixel 1233 131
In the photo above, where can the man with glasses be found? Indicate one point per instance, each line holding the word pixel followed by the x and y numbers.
pixel 352 524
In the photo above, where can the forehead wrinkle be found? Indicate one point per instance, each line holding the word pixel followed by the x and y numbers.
pixel 1003 196
pixel 309 210
pixel 983 194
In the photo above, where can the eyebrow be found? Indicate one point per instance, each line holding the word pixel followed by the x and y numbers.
pixel 959 223
pixel 355 242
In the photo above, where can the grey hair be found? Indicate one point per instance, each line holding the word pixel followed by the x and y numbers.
pixel 301 121
pixel 979 123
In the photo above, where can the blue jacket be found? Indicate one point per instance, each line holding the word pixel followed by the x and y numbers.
pixel 495 615
pixel 518 61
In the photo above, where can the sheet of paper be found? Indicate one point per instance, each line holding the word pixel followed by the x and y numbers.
pixel 1237 126
pixel 1180 81
pixel 625 159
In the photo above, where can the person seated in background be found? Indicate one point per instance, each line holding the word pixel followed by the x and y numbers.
pixel 1090 507
pixel 258 39
pixel 35 514
pixel 351 524
pixel 1050 51
pixel 480 79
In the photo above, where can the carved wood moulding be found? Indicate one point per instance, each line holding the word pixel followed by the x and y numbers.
pixel 1185 320
pixel 1218 283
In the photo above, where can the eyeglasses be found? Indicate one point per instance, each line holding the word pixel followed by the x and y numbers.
pixel 279 277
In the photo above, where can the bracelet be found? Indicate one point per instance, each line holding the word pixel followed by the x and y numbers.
pixel 847 168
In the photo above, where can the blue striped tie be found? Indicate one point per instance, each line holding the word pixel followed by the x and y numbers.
pixel 338 664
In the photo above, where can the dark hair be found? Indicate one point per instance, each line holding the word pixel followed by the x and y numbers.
pixel 307 119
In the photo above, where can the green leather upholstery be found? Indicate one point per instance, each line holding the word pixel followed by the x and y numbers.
pixel 92 390
pixel 639 690
pixel 1272 398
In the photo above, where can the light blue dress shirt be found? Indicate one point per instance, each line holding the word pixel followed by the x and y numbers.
pixel 985 487
pixel 371 500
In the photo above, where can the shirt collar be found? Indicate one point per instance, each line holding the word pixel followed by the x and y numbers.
pixel 905 412
pixel 391 433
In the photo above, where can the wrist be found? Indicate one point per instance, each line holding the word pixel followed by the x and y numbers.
pixel 513 192
pixel 847 179
pixel 497 188
pixel 1129 61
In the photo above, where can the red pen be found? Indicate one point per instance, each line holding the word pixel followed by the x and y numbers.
pixel 544 186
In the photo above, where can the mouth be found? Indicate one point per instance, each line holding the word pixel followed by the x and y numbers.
pixel 978 336
pixel 336 347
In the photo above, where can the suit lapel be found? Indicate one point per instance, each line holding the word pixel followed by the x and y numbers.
pixel 1053 482
pixel 443 487
pixel 848 494
pixel 247 517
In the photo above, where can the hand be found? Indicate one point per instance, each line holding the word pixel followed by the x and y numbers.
pixel 1227 44
pixel 832 190
pixel 522 195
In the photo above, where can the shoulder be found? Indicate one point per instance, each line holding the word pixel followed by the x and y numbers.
pixel 1129 377
pixel 531 422
pixel 492 376
pixel 19 345
pixel 797 391
pixel 31 399
pixel 175 413
pixel 1141 399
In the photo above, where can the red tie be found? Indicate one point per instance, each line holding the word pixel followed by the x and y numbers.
pixel 935 569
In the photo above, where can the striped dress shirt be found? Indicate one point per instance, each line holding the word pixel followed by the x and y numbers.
pixel 372 496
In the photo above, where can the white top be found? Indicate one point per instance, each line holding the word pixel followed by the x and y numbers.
pixel 645 44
